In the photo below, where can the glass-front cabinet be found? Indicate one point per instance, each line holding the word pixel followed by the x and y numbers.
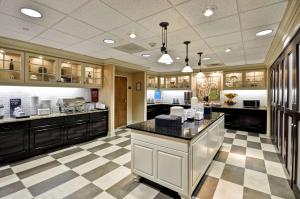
pixel 11 66
pixel 152 82
pixel 184 81
pixel 93 75
pixel 233 80
pixel 162 82
pixel 171 81
pixel 71 72
pixel 255 79
pixel 42 69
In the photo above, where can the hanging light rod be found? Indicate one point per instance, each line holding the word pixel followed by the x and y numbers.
pixel 200 74
pixel 165 58
pixel 187 68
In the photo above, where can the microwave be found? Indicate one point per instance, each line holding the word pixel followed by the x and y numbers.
pixel 251 103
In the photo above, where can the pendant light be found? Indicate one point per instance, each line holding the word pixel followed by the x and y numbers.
pixel 200 74
pixel 165 58
pixel 187 68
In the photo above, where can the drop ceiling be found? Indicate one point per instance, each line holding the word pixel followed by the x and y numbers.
pixel 81 25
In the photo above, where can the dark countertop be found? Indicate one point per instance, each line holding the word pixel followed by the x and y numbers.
pixel 239 107
pixel 169 104
pixel 188 130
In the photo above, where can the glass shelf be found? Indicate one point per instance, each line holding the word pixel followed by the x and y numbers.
pixel 11 68
pixel 171 82
pixel 184 81
pixel 71 72
pixel 234 80
pixel 152 81
pixel 255 79
pixel 93 75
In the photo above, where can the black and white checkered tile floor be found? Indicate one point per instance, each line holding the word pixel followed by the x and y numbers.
pixel 247 166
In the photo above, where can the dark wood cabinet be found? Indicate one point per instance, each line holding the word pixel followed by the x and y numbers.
pixel 76 132
pixel 14 141
pixel 98 124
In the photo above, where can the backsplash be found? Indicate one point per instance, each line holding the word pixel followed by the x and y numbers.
pixel 44 93
pixel 168 95
pixel 247 95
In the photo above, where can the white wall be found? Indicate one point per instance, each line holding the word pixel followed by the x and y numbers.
pixel 168 95
pixel 247 95
pixel 44 93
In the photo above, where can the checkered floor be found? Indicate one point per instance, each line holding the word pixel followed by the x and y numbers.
pixel 247 166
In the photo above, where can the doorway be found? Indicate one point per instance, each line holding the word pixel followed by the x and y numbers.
pixel 120 101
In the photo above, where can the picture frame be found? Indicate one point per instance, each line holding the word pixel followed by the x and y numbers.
pixel 138 86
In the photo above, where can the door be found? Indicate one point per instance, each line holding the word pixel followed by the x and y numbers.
pixel 120 101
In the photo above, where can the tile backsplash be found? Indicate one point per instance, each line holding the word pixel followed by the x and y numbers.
pixel 168 95
pixel 44 93
pixel 261 95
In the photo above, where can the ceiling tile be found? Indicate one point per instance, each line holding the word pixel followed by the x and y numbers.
pixel 260 42
pixel 100 15
pixel 12 7
pixel 234 61
pixel 124 32
pixel 263 16
pixel 179 36
pixel 77 28
pixel 245 5
pixel 65 6
pixel 255 59
pixel 60 37
pixel 85 47
pixel 107 52
pixel 137 9
pixel 156 41
pixel 45 42
pixel 193 10
pixel 176 21
pixel 262 51
pixel 224 39
pixel 16 28
pixel 99 40
pixel 250 34
pixel 234 47
pixel 219 27
pixel 176 2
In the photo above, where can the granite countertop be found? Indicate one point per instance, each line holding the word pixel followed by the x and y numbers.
pixel 188 130
pixel 168 104
pixel 35 117
pixel 240 107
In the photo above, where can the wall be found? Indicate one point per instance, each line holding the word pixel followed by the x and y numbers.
pixel 261 95
pixel 139 112
pixel 168 95
pixel 129 93
pixel 44 93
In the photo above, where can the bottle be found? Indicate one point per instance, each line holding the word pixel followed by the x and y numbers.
pixel 11 64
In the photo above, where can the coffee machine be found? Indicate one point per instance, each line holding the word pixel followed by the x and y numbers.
pixel 187 97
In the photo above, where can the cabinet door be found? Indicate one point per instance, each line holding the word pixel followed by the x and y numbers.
pixel 76 132
pixel 289 147
pixel 13 141
pixel 213 140
pixel 11 66
pixel 298 155
pixel 45 138
pixel 99 128
pixel 232 121
pixel 255 121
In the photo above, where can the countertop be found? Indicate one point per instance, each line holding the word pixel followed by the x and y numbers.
pixel 239 107
pixel 188 130
pixel 35 117
pixel 169 104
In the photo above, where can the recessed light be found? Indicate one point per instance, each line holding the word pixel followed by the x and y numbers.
pixel 227 50
pixel 41 57
pixel 108 41
pixel 209 11
pixel 264 32
pixel 132 35
pixel 206 58
pixel 146 55
pixel 31 13
pixel 1 51
pixel 177 58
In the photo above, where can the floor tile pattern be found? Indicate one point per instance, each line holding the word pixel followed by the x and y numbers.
pixel 246 166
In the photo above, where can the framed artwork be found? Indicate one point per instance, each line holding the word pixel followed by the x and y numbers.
pixel 138 86
pixel 208 85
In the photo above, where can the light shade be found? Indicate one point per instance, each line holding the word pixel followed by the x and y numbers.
pixel 200 75
pixel 187 69
pixel 165 59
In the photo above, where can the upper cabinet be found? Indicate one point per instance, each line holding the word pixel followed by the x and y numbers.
pixel 11 66
pixel 93 75
pixel 248 79
pixel 182 82
pixel 41 69
pixel 71 72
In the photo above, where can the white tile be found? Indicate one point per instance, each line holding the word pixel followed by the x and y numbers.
pixel 84 168
pixel 236 160
pixel 91 144
pixel 229 135
pixel 31 164
pixel 62 150
pixel 112 178
pixel 225 147
pixel 100 15
pixel 257 181
pixel 253 138
pixel 123 159
pixel 253 4
pixel 4 167
pixel 128 147
pixel 254 153
pixel 239 142
pixel 242 132
pixel 12 7
pixel 268 147
pixel 275 169
pixel 65 6
pixel 39 177
pixel 263 16
pixel 22 194
pixel 225 39
pixel 219 27
pixel 8 180
pixel 228 190
pixel 119 140
pixel 77 28
pixel 175 20
pixel 57 36
pixel 104 195
pixel 259 42
pixel 142 191
pixel 73 156
pixel 192 10
pixel 48 43
pixel 138 9
pixel 65 189
pixel 216 169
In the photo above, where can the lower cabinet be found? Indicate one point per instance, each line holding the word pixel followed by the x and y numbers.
pixel 76 132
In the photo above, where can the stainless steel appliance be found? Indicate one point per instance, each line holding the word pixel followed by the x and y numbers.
pixel 187 97
pixel 71 105
pixel 251 103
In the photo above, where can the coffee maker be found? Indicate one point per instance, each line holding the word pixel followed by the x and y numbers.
pixel 187 97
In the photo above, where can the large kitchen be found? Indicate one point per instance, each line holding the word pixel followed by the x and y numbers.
pixel 162 99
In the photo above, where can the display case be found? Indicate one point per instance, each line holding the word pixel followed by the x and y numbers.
pixel 11 66
pixel 171 82
pixel 41 69
pixel 233 80
pixel 184 81
pixel 162 82
pixel 255 79
pixel 93 75
pixel 152 82
pixel 71 72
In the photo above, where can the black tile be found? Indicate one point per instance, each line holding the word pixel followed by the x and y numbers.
pixel 82 160
pixel 66 153
pixel 266 141
pixel 280 187
pixel 270 156
pixel 228 140
pixel 253 134
pixel 117 153
pixel 124 144
pixel 100 171
pixel 87 192
pixel 99 147
pixel 233 174
pixel 123 187
pixel 253 194
pixel 111 138
pixel 221 156
pixel 254 145
pixel 255 164
pixel 206 188
pixel 231 131
pixel 11 188
pixel 241 137
pixel 238 149
pixel 6 172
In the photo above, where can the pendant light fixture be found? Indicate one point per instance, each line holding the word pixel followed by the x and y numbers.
pixel 187 68
pixel 199 74
pixel 165 58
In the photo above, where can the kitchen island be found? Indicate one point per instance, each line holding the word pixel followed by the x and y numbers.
pixel 176 158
